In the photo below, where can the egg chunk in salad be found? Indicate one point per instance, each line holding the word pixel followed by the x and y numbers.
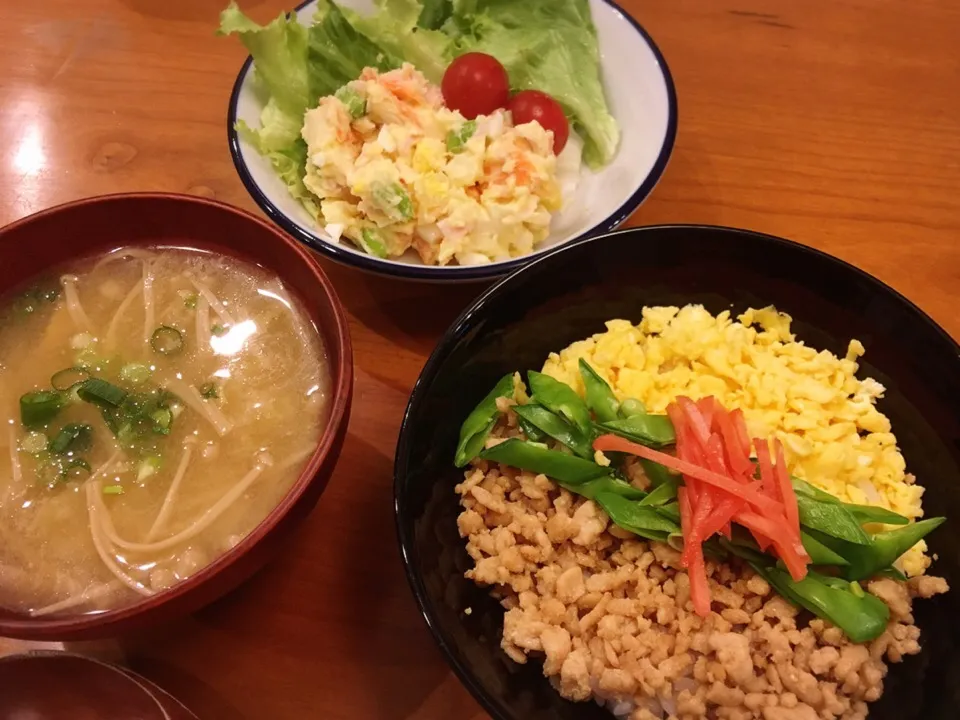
pixel 395 169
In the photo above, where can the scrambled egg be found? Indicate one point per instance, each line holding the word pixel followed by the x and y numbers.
pixel 833 434
pixel 394 169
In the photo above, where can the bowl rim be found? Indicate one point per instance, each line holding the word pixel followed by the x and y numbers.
pixel 453 273
pixel 402 458
pixel 339 348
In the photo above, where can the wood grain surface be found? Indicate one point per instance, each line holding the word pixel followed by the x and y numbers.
pixel 832 122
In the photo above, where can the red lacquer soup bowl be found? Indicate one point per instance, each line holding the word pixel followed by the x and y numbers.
pixel 46 241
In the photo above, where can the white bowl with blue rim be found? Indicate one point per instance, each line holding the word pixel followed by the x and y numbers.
pixel 642 99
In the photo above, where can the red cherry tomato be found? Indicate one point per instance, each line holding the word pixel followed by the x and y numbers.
pixel 529 105
pixel 475 84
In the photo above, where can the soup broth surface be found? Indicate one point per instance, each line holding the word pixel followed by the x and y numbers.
pixel 156 405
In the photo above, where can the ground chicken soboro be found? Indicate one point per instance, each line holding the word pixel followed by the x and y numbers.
pixel 610 617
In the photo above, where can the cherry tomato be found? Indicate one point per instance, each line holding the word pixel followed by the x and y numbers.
pixel 475 84
pixel 529 105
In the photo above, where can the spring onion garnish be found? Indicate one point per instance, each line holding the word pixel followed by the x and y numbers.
pixel 100 392
pixel 39 407
pixel 209 391
pixel 112 490
pixel 135 373
pixel 218 330
pixel 148 466
pixel 72 438
pixel 162 419
pixel 190 301
pixel 69 377
pixel 167 340
pixel 34 443
pixel 74 470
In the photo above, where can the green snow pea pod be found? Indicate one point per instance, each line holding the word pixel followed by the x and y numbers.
pixel 638 519
pixel 479 423
pixel 631 407
pixel 865 561
pixel 559 466
pixel 831 519
pixel 556 427
pixel 560 398
pixel 652 430
pixel 600 397
pixel 861 616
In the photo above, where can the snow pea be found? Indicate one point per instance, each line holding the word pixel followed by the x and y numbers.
pixel 657 474
pixel 863 513
pixel 865 561
pixel 560 398
pixel 820 554
pixel 600 397
pixel 479 423
pixel 637 518
pixel 661 495
pixel 876 514
pixel 860 615
pixel 531 431
pixel 631 407
pixel 606 484
pixel 653 430
pixel 556 427
pixel 559 466
pixel 831 518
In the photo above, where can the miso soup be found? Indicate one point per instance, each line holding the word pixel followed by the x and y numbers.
pixel 156 405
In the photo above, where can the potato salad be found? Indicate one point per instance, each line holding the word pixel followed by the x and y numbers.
pixel 395 169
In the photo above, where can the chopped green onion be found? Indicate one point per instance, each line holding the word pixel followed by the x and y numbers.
pixel 167 340
pixel 135 373
pixel 39 407
pixel 113 489
pixel 69 377
pixel 162 418
pixel 75 469
pixel 34 443
pixel 51 472
pixel 72 438
pixel 100 392
pixel 209 391
pixel 148 466
pixel 190 301
pixel 218 329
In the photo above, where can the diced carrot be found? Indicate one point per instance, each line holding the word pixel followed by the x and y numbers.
pixel 787 494
pixel 746 492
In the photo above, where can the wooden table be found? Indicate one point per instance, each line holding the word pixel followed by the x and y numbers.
pixel 833 122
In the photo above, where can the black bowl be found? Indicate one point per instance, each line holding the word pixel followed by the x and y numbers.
pixel 567 295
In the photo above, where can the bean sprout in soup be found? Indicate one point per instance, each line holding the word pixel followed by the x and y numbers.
pixel 155 407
